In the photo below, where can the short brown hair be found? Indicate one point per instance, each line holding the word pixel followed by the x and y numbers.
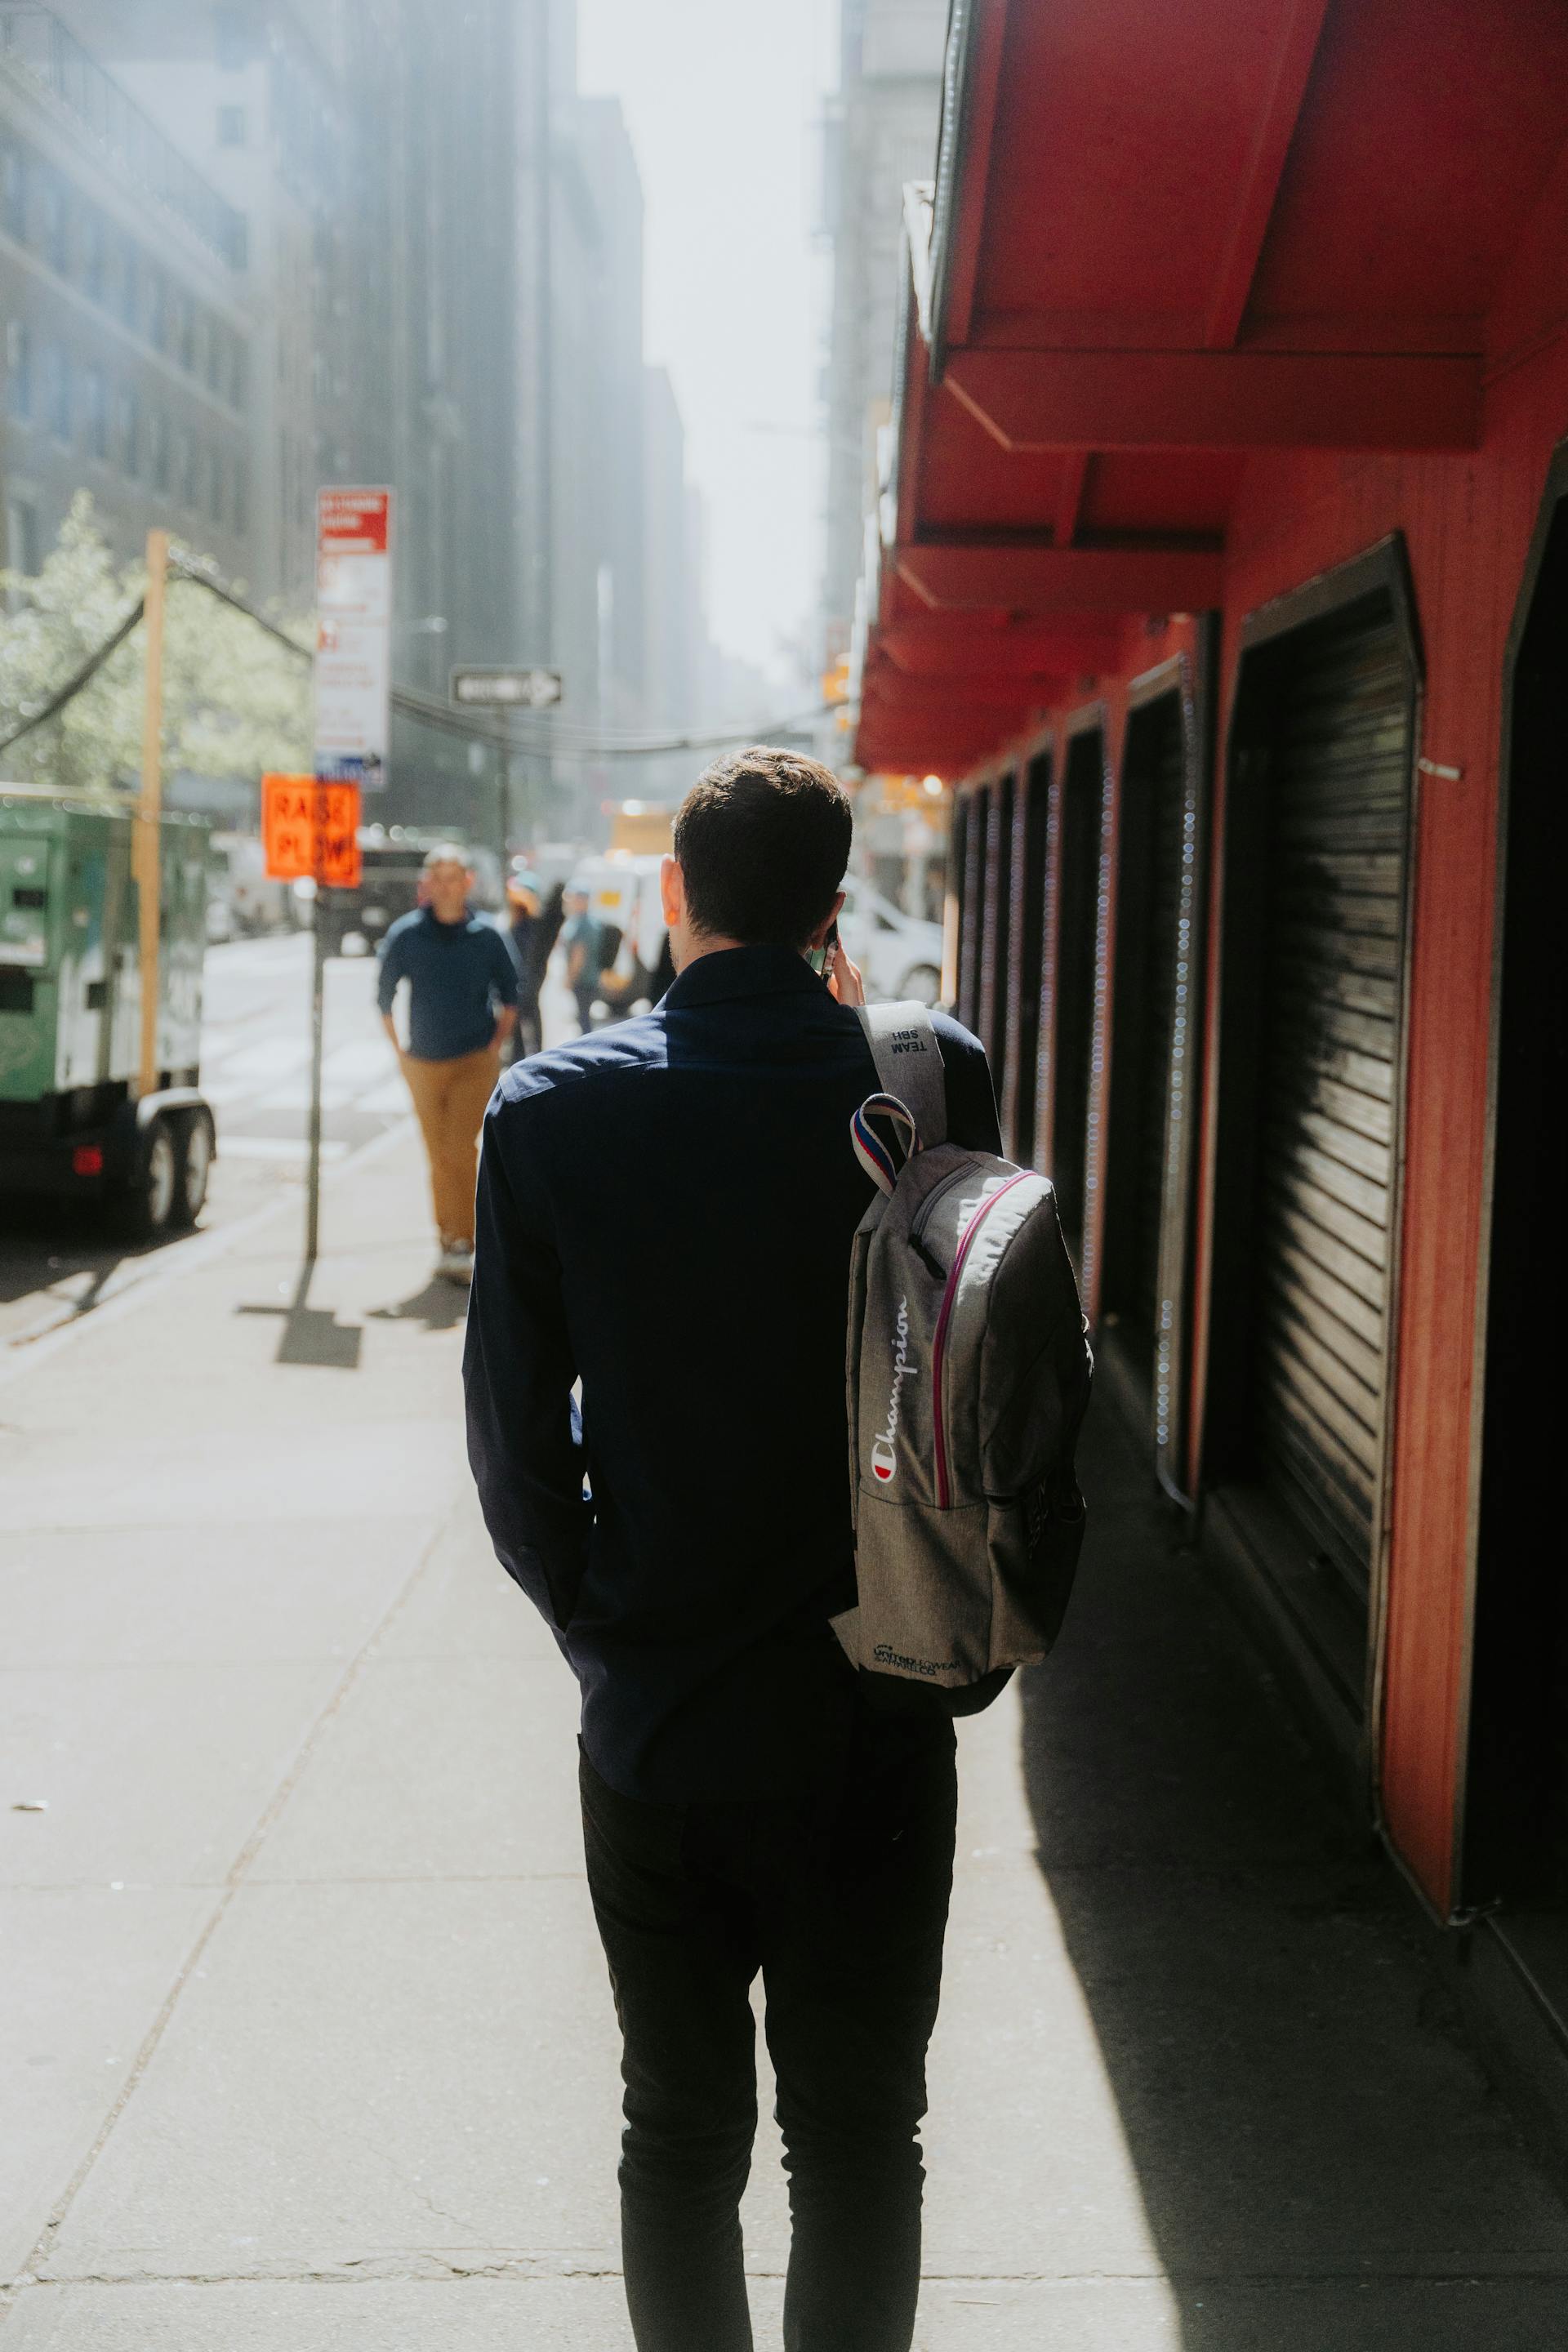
pixel 763 839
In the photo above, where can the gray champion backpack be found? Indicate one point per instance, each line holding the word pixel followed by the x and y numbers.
pixel 968 1375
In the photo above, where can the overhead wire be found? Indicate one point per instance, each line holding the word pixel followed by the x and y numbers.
pixel 564 737
pixel 558 739
pixel 78 679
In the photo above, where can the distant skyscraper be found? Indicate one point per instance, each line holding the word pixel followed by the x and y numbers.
pixel 882 132
pixel 130 340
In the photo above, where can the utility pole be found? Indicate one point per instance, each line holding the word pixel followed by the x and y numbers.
pixel 148 860
pixel 318 1010
pixel 544 359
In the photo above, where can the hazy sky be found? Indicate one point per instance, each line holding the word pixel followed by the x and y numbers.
pixel 722 99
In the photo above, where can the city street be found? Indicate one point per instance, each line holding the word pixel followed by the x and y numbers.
pixel 56 1265
pixel 308 2045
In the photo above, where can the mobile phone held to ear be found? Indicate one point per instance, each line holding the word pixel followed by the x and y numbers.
pixel 821 959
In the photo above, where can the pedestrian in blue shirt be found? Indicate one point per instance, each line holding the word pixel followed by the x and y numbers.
pixel 664 1215
pixel 462 974
pixel 583 940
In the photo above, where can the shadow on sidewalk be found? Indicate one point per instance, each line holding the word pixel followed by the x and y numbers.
pixel 1318 2151
pixel 440 1306
pixel 312 1335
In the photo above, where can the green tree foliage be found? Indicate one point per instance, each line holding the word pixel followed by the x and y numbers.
pixel 234 702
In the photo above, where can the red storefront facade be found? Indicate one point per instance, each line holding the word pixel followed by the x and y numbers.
pixel 1217 569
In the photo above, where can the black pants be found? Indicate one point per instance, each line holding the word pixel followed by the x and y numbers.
pixel 840 1897
pixel 527 1036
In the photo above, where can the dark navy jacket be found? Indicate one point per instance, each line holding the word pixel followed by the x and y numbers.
pixel 460 974
pixel 666 1210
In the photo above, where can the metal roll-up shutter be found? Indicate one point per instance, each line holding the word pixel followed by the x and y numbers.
pixel 992 1019
pixel 1166 788
pixel 973 932
pixel 957 876
pixel 1339 820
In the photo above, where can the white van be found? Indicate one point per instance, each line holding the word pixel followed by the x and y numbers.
pixel 624 899
pixel 899 955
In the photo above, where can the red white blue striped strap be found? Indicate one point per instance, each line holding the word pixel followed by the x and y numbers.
pixel 875 1156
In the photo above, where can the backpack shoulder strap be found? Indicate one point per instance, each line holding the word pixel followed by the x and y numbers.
pixel 904 1047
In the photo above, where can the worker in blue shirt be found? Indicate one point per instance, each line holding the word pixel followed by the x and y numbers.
pixel 462 973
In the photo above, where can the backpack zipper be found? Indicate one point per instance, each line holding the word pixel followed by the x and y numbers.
pixel 939 1343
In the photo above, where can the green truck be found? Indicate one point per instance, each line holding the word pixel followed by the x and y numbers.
pixel 75 1123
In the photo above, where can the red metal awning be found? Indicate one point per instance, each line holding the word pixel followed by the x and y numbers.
pixel 1163 244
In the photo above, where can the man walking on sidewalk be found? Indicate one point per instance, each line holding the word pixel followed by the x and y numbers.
pixel 462 976
pixel 665 1212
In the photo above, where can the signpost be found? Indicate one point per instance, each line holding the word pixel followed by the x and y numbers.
pixel 353 636
pixel 309 831
pixel 507 689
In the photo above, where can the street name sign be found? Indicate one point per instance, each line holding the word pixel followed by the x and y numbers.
pixel 507 689
pixel 353 636
pixel 311 830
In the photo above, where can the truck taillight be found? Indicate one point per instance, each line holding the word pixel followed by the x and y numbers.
pixel 86 1159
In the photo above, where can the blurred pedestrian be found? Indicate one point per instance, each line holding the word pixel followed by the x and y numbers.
pixel 683 1185
pixel 535 924
pixel 462 975
pixel 584 941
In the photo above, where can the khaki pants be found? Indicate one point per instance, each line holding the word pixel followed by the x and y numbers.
pixel 449 1098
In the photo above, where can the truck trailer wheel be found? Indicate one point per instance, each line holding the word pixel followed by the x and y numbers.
pixel 149 1202
pixel 194 1160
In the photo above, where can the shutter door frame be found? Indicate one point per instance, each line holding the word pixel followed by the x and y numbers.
pixel 977 817
pixel 990 1010
pixel 1084 732
pixel 953 907
pixel 1031 826
pixel 1340 1663
pixel 1150 872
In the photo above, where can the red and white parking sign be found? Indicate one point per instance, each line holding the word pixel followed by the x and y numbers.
pixel 353 635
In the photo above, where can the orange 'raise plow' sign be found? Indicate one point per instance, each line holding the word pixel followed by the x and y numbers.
pixel 311 830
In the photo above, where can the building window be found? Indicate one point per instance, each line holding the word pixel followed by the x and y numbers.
pixel 18 371
pixel 95 257
pixel 22 537
pixel 215 484
pixel 14 194
pixel 238 374
pixel 241 496
pixel 57 228
pixel 217 338
pixel 189 457
pixel 237 43
pixel 231 126
pixel 187 348
pixel 158 311
pixel 160 450
pixel 95 411
pixel 57 393
pixel 129 284
pixel 128 430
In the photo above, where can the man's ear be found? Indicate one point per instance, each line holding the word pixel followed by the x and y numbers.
pixel 820 937
pixel 671 892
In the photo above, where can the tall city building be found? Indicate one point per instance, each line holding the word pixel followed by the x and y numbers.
pixel 253 248
pixel 250 96
pixel 880 133
pixel 129 341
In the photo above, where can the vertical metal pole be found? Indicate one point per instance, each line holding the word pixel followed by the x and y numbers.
pixel 544 498
pixel 318 990
pixel 150 809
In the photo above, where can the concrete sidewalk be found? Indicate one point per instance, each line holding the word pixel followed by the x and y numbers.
pixel 309 2046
